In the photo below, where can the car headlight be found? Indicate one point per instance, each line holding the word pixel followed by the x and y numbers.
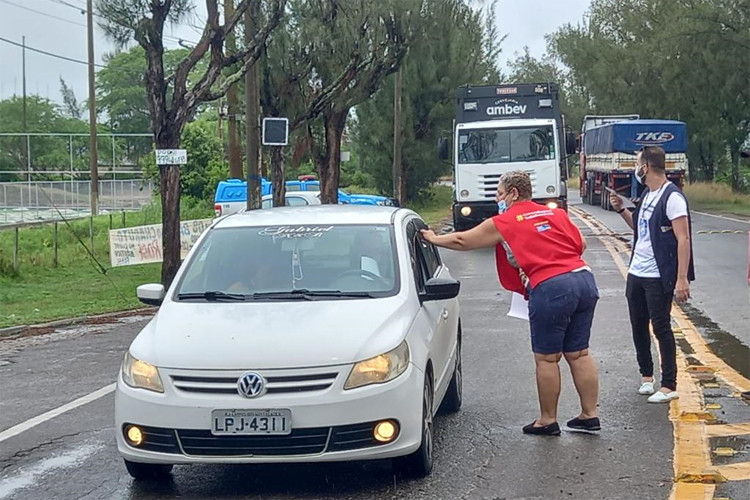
pixel 379 369
pixel 137 373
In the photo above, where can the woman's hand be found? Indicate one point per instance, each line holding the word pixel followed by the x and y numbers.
pixel 429 235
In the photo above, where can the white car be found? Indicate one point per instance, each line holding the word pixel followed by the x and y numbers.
pixel 299 334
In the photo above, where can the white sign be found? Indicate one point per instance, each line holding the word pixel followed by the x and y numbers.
pixel 171 156
pixel 143 245
pixel 519 307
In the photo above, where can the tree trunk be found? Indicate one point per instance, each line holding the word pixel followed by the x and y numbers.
pixel 329 169
pixel 277 173
pixel 233 106
pixel 734 150
pixel 169 182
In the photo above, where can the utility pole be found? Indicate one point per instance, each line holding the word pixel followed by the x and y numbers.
pixel 235 155
pixel 397 168
pixel 25 124
pixel 252 116
pixel 93 154
pixel 23 79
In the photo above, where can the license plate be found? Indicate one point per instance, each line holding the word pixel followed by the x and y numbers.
pixel 251 422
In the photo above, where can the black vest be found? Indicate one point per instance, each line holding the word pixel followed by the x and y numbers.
pixel 663 240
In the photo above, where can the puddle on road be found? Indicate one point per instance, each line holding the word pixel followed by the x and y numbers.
pixel 722 343
pixel 25 477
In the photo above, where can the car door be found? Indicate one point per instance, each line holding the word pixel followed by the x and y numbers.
pixel 447 325
pixel 435 312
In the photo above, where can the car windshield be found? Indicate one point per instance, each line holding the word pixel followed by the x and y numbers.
pixel 292 262
pixel 506 145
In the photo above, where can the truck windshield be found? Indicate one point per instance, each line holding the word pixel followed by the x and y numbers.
pixel 505 145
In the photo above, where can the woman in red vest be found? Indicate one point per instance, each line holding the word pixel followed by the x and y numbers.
pixel 562 293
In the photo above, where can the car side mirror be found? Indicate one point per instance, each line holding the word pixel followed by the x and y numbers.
pixel 151 294
pixel 443 152
pixel 440 289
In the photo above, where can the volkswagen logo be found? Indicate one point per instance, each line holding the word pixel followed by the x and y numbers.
pixel 251 385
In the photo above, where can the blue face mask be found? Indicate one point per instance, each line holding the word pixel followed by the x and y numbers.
pixel 502 207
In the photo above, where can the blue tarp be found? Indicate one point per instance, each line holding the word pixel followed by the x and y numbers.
pixel 629 136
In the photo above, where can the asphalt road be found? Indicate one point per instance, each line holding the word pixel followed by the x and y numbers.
pixel 481 452
pixel 720 304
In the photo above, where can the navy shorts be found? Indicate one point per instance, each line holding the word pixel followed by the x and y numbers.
pixel 561 310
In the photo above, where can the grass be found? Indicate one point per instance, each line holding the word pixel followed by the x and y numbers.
pixel 716 197
pixel 438 207
pixel 41 292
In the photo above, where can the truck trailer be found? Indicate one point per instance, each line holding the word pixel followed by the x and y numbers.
pixel 499 128
pixel 608 159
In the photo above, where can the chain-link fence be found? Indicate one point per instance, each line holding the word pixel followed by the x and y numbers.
pixel 44 175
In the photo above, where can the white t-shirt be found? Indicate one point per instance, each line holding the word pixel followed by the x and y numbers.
pixel 643 264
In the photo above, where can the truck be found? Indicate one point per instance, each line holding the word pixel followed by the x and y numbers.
pixel 500 128
pixel 608 156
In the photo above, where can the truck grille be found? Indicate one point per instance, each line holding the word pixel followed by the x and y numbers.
pixel 275 383
pixel 487 184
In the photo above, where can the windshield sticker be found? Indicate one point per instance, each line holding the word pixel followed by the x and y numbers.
pixel 295 231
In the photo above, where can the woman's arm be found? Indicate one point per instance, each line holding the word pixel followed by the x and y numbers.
pixel 484 235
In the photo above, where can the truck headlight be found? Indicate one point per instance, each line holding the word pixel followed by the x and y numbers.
pixel 465 211
pixel 552 204
pixel 139 374
pixel 379 369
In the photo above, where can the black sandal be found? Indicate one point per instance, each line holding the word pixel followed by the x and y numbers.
pixel 552 429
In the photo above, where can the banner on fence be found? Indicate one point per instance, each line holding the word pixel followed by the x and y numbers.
pixel 142 244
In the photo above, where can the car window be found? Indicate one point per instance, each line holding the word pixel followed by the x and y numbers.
pixel 257 260
pixel 296 201
pixel 267 203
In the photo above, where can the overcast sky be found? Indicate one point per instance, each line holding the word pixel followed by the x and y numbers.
pixel 57 26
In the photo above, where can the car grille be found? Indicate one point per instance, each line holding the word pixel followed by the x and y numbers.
pixel 487 184
pixel 310 441
pixel 299 442
pixel 275 384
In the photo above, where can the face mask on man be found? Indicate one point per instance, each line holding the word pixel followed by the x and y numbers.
pixel 640 175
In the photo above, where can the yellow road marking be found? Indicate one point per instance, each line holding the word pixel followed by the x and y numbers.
pixel 727 430
pixel 735 472
pixel 695 475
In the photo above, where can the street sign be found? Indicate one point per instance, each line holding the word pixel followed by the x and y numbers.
pixel 171 156
pixel 275 132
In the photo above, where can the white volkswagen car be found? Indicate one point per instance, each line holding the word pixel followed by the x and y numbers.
pixel 316 334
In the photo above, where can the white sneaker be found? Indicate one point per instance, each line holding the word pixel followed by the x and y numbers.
pixel 663 397
pixel 646 388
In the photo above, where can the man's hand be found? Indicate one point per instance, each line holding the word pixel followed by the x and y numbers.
pixel 429 235
pixel 615 201
pixel 682 290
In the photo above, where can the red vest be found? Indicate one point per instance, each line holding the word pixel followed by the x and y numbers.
pixel 544 242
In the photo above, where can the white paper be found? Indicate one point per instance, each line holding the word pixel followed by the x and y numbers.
pixel 519 307
pixel 626 203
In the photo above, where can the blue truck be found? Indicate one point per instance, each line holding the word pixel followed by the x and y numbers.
pixel 231 195
pixel 608 156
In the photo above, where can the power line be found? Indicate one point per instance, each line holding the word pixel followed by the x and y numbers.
pixel 82 10
pixel 42 13
pixel 50 54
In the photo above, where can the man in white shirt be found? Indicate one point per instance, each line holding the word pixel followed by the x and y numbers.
pixel 661 268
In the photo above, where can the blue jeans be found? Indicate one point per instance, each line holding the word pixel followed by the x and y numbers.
pixel 561 310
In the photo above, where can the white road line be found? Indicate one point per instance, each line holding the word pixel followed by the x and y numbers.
pixel 721 217
pixel 33 422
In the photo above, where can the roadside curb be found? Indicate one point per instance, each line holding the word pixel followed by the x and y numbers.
pixel 21 330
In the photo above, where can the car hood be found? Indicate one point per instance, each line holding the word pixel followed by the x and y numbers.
pixel 266 335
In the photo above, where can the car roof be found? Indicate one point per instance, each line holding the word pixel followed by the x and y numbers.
pixel 312 214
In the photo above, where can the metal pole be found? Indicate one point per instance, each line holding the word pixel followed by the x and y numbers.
pixel 93 157
pixel 54 242
pixel 114 176
pixel 15 251
pixel 23 78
